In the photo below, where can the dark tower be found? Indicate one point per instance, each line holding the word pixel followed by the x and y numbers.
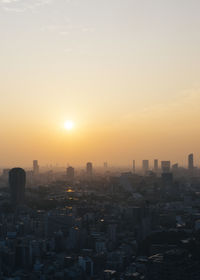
pixel 145 165
pixel 89 169
pixel 191 162
pixel 156 165
pixel 134 166
pixel 35 168
pixel 17 182
pixel 70 173
pixel 165 166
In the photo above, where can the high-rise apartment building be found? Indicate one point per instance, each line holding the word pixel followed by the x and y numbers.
pixel 165 166
pixel 35 168
pixel 145 165
pixel 175 167
pixel 89 169
pixel 133 166
pixel 155 165
pixel 191 162
pixel 17 182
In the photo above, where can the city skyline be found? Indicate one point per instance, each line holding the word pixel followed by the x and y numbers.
pixel 191 162
pixel 100 140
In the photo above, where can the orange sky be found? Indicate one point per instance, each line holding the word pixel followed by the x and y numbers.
pixel 126 72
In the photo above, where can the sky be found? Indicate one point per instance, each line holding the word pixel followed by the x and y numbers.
pixel 126 72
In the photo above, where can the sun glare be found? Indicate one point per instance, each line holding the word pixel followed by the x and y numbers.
pixel 69 125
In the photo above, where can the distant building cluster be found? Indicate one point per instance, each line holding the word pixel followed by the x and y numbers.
pixel 140 224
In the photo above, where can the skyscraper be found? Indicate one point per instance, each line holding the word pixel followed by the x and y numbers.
pixel 105 165
pixel 175 167
pixel 17 182
pixel 70 173
pixel 165 166
pixel 191 162
pixel 145 165
pixel 155 165
pixel 89 169
pixel 133 166
pixel 5 174
pixel 35 168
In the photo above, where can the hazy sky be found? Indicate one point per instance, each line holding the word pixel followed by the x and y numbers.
pixel 127 72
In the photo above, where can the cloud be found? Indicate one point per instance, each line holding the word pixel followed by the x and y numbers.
pixel 67 28
pixel 9 1
pixel 22 5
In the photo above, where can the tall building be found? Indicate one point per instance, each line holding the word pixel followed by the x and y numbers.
pixel 133 166
pixel 191 162
pixel 5 174
pixel 105 165
pixel 17 182
pixel 35 168
pixel 165 166
pixel 145 165
pixel 70 173
pixel 89 169
pixel 175 167
pixel 155 165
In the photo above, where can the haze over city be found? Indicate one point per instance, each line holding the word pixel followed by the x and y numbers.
pixel 126 73
pixel 100 140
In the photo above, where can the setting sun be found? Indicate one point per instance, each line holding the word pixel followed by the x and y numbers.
pixel 69 125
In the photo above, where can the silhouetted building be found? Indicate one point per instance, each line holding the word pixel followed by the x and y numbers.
pixel 145 165
pixel 70 173
pixel 133 166
pixel 175 167
pixel 165 166
pixel 17 182
pixel 89 169
pixel 29 178
pixel 191 162
pixel 155 165
pixel 5 174
pixel 35 168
